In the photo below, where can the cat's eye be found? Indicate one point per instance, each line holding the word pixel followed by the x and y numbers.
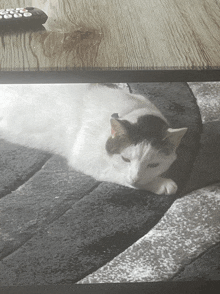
pixel 125 159
pixel 151 165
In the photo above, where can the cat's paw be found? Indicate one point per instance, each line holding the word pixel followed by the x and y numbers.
pixel 168 187
pixel 163 186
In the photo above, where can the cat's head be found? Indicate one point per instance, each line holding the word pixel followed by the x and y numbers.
pixel 142 150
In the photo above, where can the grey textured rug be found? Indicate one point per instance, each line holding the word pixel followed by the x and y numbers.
pixel 59 225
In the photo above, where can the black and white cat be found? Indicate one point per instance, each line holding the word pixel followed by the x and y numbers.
pixel 105 132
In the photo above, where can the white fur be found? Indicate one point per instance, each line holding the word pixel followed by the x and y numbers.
pixel 141 156
pixel 74 121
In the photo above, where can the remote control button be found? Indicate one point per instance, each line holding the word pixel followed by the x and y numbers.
pixel 17 15
pixel 3 12
pixel 27 14
pixel 13 11
pixel 23 10
pixel 19 8
pixel 9 9
pixel 7 16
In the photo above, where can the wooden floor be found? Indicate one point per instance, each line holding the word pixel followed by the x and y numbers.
pixel 126 35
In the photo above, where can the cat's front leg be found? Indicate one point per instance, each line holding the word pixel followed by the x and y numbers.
pixel 162 186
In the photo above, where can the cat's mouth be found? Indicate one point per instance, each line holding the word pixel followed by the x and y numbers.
pixel 140 184
pixel 137 184
pixel 139 187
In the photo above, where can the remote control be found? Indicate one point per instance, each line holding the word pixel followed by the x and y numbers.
pixel 29 16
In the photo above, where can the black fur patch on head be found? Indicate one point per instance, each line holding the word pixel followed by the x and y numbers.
pixel 152 129
pixel 115 115
pixel 148 127
pixel 117 144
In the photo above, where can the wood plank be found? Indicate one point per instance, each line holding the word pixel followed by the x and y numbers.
pixel 127 35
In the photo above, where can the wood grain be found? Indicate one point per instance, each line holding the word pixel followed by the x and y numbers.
pixel 116 34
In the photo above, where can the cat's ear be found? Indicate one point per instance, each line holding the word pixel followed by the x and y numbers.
pixel 117 128
pixel 119 137
pixel 175 135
